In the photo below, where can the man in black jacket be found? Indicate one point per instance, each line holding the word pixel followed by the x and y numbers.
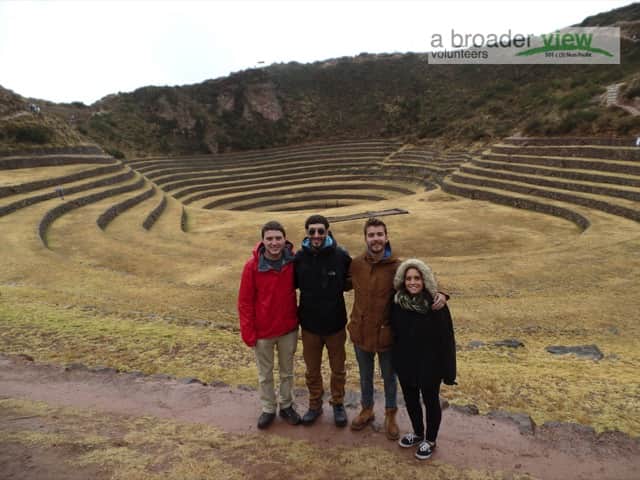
pixel 321 269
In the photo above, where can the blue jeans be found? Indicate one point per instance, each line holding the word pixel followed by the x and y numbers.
pixel 366 362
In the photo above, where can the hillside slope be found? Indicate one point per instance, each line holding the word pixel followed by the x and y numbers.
pixel 385 95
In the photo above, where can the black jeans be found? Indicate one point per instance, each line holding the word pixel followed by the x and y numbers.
pixel 431 399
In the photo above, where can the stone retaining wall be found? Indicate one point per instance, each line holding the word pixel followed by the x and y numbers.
pixel 576 187
pixel 32 162
pixel 110 214
pixel 292 191
pixel 606 141
pixel 55 213
pixel 586 176
pixel 515 202
pixel 632 214
pixel 54 182
pixel 153 217
pixel 625 154
pixel 25 202
pixel 78 150
pixel 598 165
pixel 329 198
pixel 183 220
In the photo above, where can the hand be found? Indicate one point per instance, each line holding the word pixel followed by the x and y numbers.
pixel 439 301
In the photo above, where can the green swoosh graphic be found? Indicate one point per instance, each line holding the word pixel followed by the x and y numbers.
pixel 535 51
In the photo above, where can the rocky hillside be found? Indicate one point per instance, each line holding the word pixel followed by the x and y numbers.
pixel 27 123
pixel 395 95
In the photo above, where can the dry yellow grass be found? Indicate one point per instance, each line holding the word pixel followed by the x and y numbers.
pixel 156 301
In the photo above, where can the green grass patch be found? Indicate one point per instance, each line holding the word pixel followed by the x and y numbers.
pixel 66 336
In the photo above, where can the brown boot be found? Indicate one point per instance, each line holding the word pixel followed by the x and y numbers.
pixel 363 419
pixel 390 426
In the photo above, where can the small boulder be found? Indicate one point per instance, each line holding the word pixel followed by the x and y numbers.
pixel 76 367
pixel 190 381
pixel 509 342
pixel 218 383
pixel 584 351
pixel 468 409
pixel 246 388
pixel 525 423
pixel 103 369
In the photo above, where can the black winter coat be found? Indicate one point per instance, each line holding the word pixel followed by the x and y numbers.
pixel 322 277
pixel 424 348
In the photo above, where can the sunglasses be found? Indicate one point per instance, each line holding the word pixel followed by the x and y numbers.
pixel 320 231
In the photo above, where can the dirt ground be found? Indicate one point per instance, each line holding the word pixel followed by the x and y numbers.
pixel 466 441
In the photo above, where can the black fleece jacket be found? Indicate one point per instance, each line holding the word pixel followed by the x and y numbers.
pixel 321 276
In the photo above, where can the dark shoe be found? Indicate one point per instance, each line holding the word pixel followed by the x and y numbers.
pixel 265 420
pixel 425 450
pixel 340 415
pixel 409 440
pixel 290 415
pixel 311 416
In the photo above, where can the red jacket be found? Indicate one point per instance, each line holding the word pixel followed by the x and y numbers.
pixel 267 298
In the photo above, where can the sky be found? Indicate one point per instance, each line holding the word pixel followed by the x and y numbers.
pixel 83 50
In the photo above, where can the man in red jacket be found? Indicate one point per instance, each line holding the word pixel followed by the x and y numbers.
pixel 268 319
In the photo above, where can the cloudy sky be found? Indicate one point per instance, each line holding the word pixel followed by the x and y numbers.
pixel 83 50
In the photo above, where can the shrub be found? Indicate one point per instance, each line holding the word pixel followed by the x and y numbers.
pixel 632 89
pixel 30 134
pixel 533 127
pixel 579 98
pixel 575 120
pixel 114 152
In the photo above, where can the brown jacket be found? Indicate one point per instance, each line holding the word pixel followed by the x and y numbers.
pixel 373 291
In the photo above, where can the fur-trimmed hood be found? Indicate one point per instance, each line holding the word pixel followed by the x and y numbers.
pixel 429 280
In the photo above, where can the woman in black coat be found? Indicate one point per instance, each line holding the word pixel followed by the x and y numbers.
pixel 424 352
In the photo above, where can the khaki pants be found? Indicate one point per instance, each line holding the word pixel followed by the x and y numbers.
pixel 312 346
pixel 264 350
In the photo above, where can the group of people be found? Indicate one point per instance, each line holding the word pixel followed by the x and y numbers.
pixel 398 315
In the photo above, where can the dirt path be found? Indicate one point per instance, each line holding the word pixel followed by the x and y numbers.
pixel 465 441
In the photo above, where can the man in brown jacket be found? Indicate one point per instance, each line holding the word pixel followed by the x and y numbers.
pixel 372 278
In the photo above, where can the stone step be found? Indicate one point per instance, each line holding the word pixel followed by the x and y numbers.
pixel 626 153
pixel 119 208
pixel 629 193
pixel 517 200
pixel 574 174
pixel 569 141
pixel 596 165
pixel 56 212
pixel 282 192
pixel 621 207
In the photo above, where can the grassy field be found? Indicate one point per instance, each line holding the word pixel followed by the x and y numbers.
pixel 164 300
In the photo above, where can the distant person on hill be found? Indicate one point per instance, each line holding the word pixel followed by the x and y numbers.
pixel 321 269
pixel 424 352
pixel 372 276
pixel 268 320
